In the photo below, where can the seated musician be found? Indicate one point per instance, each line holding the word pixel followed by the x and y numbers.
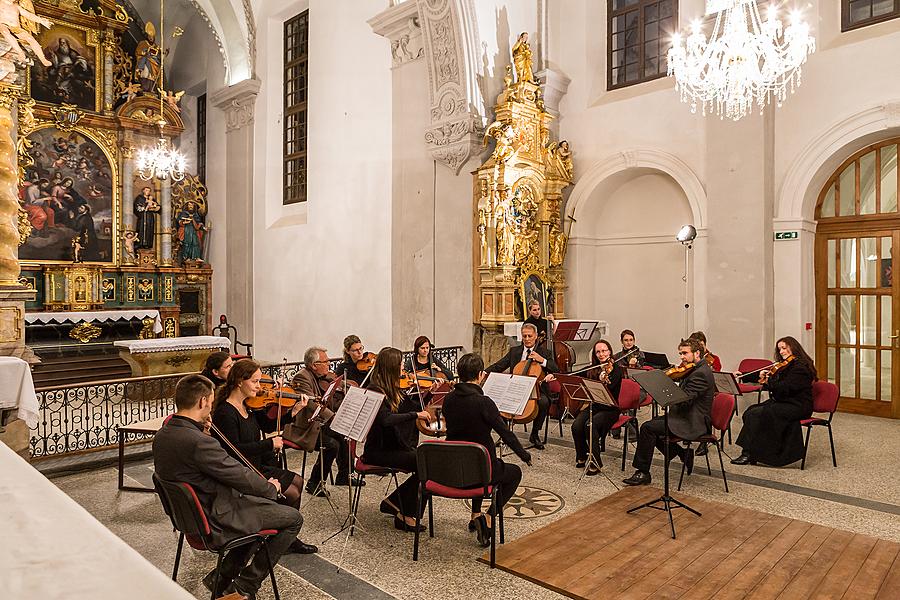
pixel 313 380
pixel 217 366
pixel 353 353
pixel 771 433
pixel 536 318
pixel 636 358
pixel 236 500
pixel 423 360
pixel 244 431
pixel 688 420
pixel 387 443
pixel 609 373
pixel 529 349
pixel 473 417
pixel 711 359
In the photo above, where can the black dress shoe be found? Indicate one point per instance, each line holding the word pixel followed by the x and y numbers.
pixel 404 526
pixel 298 547
pixel 580 462
pixel 472 525
pixel 743 459
pixel 702 449
pixel 317 490
pixel 688 459
pixel 482 531
pixel 592 470
pixel 616 433
pixel 639 478
pixel 354 481
pixel 387 509
pixel 536 443
pixel 209 579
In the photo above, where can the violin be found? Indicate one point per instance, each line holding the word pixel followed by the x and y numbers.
pixel 528 368
pixel 680 372
pixel 366 362
pixel 775 367
pixel 421 379
pixel 271 394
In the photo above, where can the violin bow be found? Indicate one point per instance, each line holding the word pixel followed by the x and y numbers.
pixel 278 398
pixel 237 453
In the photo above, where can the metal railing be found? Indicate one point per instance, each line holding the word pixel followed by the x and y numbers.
pixel 87 416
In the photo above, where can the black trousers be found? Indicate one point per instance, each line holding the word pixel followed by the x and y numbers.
pixel 406 496
pixel 335 447
pixel 507 477
pixel 604 418
pixel 247 579
pixel 653 435
pixel 543 410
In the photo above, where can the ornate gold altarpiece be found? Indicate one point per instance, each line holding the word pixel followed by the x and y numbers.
pixel 518 207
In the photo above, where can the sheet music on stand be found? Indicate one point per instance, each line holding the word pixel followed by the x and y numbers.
pixel 356 413
pixel 509 392
pixel 599 392
pixel 574 330
pixel 726 382
pixel 585 390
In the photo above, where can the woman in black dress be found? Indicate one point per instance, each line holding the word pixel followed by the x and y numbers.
pixel 353 353
pixel 610 373
pixel 244 430
pixel 422 359
pixel 387 444
pixel 771 433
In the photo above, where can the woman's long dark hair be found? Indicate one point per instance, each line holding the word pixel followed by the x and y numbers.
pixel 418 344
pixel 240 372
pixel 386 375
pixel 798 351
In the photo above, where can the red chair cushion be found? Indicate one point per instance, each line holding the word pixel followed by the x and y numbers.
pixel 290 444
pixel 622 420
pixel 813 421
pixel 268 532
pixel 195 542
pixel 451 492
pixel 748 388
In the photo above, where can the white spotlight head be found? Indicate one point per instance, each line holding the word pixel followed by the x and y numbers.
pixel 686 234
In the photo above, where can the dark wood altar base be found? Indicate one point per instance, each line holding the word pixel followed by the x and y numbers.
pixel 729 552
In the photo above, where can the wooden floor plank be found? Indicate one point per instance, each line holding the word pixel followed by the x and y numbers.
pixel 842 572
pixel 874 571
pixel 728 553
pixel 729 567
pixel 810 575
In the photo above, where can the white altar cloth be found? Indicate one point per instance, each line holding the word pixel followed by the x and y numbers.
pixel 18 390
pixel 514 330
pixel 194 342
pixel 97 315
pixel 53 548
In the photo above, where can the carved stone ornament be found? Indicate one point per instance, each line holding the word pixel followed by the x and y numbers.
pixel 84 332
pixel 238 103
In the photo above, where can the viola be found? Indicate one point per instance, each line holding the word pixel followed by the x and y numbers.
pixel 529 368
pixel 366 362
pixel 270 394
pixel 681 371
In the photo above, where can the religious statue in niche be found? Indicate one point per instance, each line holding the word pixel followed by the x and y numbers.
pixel 108 288
pixel 145 289
pixel 146 68
pixel 130 240
pixel 522 58
pixel 561 158
pixel 18 24
pixel 191 228
pixel 145 210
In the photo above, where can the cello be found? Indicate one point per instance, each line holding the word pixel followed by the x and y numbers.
pixel 528 368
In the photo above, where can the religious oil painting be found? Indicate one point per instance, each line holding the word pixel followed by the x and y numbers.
pixel 68 194
pixel 534 290
pixel 72 76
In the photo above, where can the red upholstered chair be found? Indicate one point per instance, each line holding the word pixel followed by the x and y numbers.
pixel 459 470
pixel 722 411
pixel 362 469
pixel 181 504
pixel 629 399
pixel 746 366
pixel 825 400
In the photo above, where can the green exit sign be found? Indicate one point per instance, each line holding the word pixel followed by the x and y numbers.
pixel 786 235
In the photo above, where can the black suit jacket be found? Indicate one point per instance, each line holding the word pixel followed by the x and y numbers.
pixel 228 491
pixel 514 355
pixel 691 419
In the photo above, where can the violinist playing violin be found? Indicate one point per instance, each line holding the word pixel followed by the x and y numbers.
pixel 423 360
pixel 473 417
pixel 711 359
pixel 609 373
pixel 771 433
pixel 354 353
pixel 314 380
pixel 530 350
pixel 688 420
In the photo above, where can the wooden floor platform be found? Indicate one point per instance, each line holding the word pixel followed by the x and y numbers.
pixel 729 552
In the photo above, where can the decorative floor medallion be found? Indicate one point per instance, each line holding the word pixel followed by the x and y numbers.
pixel 529 503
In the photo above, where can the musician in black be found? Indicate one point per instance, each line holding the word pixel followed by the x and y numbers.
pixel 609 373
pixel 473 417
pixel 353 353
pixel 687 420
pixel 530 349
pixel 217 366
pixel 536 318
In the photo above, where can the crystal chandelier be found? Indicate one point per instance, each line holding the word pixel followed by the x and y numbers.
pixel 161 161
pixel 746 60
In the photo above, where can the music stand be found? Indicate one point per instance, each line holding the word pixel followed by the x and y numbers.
pixel 589 392
pixel 657 359
pixel 574 330
pixel 726 383
pixel 665 393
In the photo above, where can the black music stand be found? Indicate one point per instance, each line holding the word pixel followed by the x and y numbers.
pixel 577 389
pixel 726 383
pixel 571 331
pixel 665 393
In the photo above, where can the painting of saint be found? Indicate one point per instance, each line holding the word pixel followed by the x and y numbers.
pixel 145 289
pixel 534 290
pixel 72 74
pixel 68 193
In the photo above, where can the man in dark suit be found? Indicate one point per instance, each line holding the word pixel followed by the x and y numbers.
pixel 687 420
pixel 236 500
pixel 516 354
pixel 473 417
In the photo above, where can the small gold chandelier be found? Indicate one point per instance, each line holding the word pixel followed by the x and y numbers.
pixel 161 161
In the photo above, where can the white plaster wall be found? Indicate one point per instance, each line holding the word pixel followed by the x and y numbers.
pixel 215 185
pixel 323 268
